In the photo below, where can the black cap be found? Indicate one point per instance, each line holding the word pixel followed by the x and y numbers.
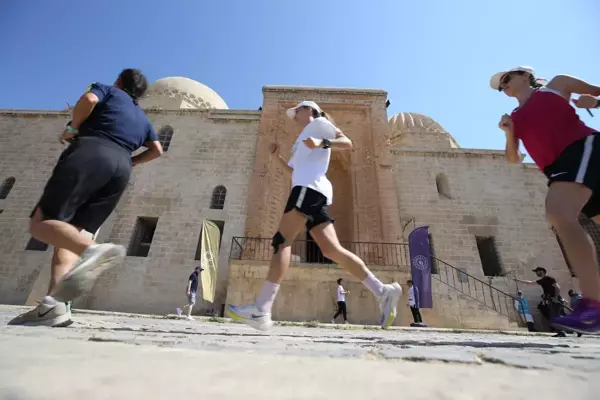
pixel 199 268
pixel 539 269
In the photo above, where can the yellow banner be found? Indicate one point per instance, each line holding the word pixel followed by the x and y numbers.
pixel 211 236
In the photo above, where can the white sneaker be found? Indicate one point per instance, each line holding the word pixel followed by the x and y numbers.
pixel 190 318
pixel 48 313
pixel 346 323
pixel 333 321
pixel 250 315
pixel 388 303
pixel 94 260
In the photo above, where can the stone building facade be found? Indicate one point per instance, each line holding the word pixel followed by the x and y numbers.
pixel 405 171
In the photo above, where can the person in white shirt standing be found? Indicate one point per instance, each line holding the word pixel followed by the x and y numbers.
pixel 341 301
pixel 306 209
pixel 413 302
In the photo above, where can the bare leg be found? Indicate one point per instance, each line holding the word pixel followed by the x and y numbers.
pixel 387 295
pixel 62 262
pixel 290 226
pixel 189 309
pixel 564 203
pixel 326 238
pixel 59 234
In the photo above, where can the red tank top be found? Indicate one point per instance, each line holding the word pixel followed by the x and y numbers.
pixel 547 124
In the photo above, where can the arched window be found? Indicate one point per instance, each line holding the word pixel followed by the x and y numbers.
pixel 218 198
pixel 164 136
pixel 7 185
pixel 443 187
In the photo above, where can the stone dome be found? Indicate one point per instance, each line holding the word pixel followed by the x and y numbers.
pixel 176 92
pixel 419 131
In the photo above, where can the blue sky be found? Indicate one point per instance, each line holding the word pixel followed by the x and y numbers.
pixel 433 56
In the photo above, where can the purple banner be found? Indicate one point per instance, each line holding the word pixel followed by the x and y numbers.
pixel 420 264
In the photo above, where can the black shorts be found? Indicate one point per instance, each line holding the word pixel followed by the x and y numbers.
pixel 87 183
pixel 311 203
pixel 580 162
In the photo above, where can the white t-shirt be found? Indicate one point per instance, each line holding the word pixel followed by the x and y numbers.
pixel 341 293
pixel 310 166
pixel 411 296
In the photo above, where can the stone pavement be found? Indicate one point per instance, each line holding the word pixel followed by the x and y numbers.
pixel 119 356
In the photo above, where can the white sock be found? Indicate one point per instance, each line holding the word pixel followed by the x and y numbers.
pixel 374 285
pixel 49 300
pixel 267 295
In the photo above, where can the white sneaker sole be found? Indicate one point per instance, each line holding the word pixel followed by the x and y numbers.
pixel 61 321
pixel 81 279
pixel 256 324
pixel 395 295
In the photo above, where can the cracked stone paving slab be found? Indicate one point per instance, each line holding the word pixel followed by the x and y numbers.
pixel 113 356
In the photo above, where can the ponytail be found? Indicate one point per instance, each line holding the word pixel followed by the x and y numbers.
pixel 323 114
pixel 535 82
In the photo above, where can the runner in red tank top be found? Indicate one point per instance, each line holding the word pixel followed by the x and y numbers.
pixel 568 152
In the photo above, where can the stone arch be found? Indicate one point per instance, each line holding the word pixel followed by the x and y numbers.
pixel 6 187
pixel 165 135
pixel 443 186
pixel 217 201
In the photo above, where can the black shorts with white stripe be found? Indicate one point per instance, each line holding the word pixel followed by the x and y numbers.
pixel 580 162
pixel 311 203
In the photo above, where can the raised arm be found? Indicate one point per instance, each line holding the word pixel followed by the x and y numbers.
pixel 341 141
pixel 568 85
pixel 529 283
pixel 512 143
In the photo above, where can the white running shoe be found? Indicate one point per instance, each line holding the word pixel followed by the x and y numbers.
pixel 388 303
pixel 250 315
pixel 190 318
pixel 333 321
pixel 48 313
pixel 94 260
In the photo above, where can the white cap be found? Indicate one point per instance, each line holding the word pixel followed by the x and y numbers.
pixel 497 77
pixel 292 111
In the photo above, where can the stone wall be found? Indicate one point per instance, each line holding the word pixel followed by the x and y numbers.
pixel 308 293
pixel 487 197
pixel 365 172
pixel 207 149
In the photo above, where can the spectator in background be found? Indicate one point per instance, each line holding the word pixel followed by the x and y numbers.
pixel 551 305
pixel 190 291
pixel 522 307
pixel 574 298
pixel 341 301
pixel 413 302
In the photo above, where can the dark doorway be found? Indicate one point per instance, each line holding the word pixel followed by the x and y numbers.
pixel 313 252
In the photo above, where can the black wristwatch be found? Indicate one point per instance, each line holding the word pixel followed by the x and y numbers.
pixel 326 144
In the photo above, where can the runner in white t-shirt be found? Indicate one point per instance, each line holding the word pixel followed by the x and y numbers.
pixel 306 208
pixel 341 302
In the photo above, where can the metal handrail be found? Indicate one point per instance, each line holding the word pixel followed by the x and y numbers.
pixel 307 251
pixel 386 254
pixel 476 289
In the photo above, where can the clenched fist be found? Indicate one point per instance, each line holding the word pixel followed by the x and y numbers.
pixel 506 123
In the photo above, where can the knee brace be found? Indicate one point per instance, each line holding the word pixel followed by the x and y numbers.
pixel 278 240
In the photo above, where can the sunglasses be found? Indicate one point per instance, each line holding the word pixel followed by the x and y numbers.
pixel 506 78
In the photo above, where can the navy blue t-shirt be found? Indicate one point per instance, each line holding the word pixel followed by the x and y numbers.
pixel 116 117
pixel 194 279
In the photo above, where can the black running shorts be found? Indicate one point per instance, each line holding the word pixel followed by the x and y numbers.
pixel 580 162
pixel 311 203
pixel 87 183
